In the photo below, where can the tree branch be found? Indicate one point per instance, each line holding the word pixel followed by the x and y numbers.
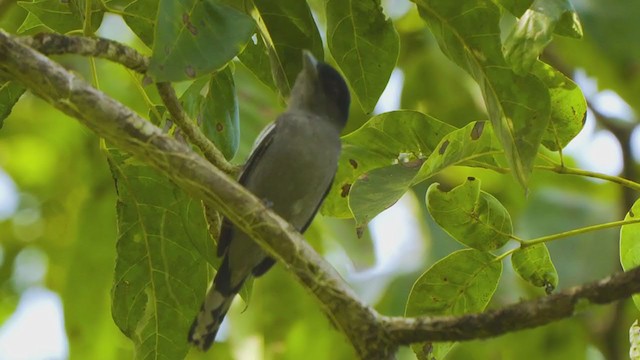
pixel 514 317
pixel 372 335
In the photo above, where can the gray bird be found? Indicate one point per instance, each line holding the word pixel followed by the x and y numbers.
pixel 291 169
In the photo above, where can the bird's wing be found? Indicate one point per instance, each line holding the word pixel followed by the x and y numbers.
pixel 261 145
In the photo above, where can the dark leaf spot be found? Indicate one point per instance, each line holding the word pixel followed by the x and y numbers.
pixel 631 214
pixel 476 132
pixel 444 147
pixel 344 190
pixel 413 163
pixel 190 71
pixel 471 178
pixel 219 127
pixel 353 163
pixel 360 231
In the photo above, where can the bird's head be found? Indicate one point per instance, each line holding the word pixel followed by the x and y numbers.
pixel 321 89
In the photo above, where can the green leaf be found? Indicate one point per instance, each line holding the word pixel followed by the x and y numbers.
pixel 255 57
pixel 59 15
pixel 31 24
pixel 290 29
pixel 374 191
pixel 79 10
pixel 214 105
pixel 568 107
pixel 473 145
pixel 471 216
pixel 468 33
pixel 567 25
pixel 630 244
pixel 534 31
pixel 458 284
pixel 196 37
pixel 534 265
pixel 163 249
pixel 364 44
pixel 380 142
pixel 140 16
pixel 378 189
pixel 10 93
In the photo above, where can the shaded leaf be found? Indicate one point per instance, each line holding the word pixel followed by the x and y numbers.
pixel 458 284
pixel 291 29
pixel 534 265
pixel 568 107
pixel 364 44
pixel 255 57
pixel 140 16
pixel 79 10
pixel 468 33
pixel 471 216
pixel 630 244
pixel 378 189
pixel 195 37
pixel 212 102
pixel 161 270
pixel 59 15
pixel 10 93
pixel 380 142
pixel 534 31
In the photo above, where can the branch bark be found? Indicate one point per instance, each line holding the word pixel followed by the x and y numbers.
pixel 373 336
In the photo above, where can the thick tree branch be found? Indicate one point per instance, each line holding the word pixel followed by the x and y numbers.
pixel 373 336
pixel 520 316
pixel 128 131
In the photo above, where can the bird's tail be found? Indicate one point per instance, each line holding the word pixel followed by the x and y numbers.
pixel 216 304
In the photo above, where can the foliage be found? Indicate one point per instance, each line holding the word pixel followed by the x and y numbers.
pixel 489 103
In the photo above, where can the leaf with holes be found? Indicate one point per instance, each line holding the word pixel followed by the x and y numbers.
pixel 471 216
pixel 468 33
pixel 461 283
pixel 384 140
pixel 365 45
pixel 196 37
pixel 534 265
pixel 163 248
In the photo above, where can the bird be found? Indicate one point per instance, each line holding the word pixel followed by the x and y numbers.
pixel 291 169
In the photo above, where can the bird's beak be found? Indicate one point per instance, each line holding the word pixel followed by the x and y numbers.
pixel 309 64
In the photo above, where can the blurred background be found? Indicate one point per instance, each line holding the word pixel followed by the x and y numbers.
pixel 58 224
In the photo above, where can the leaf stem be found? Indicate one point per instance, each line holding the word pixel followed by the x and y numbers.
pixel 573 171
pixel 579 231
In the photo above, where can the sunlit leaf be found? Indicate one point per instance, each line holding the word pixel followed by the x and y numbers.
pixel 468 33
pixel 567 25
pixel 630 244
pixel 10 93
pixel 212 102
pixel 534 265
pixel 471 216
pixel 195 37
pixel 534 31
pixel 364 44
pixel 163 251
pixel 289 29
pixel 568 107
pixel 461 283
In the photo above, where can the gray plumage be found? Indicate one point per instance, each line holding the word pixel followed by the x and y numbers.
pixel 291 169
